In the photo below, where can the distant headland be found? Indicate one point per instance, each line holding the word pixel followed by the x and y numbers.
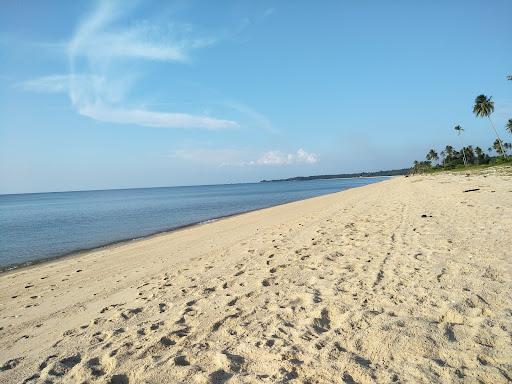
pixel 393 172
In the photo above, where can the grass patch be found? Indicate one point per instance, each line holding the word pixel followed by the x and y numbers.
pixel 503 167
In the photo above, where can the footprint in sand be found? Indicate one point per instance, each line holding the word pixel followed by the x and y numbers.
pixel 232 302
pixel 181 361
pixel 155 326
pixel 10 364
pixel 129 313
pixel 61 367
pixel 219 377
pixel 268 282
pixel 119 379
pixel 95 367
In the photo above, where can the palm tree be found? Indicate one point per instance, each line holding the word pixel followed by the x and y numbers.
pixel 432 155
pixel 508 127
pixel 470 154
pixel 509 77
pixel 498 148
pixel 479 154
pixel 448 150
pixel 459 131
pixel 447 154
pixel 483 107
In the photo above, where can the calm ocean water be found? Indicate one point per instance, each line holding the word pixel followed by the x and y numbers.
pixel 39 226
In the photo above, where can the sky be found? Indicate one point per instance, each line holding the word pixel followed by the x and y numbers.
pixel 121 94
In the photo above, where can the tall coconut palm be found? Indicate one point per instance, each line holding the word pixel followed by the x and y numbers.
pixel 480 155
pixel 459 131
pixel 498 148
pixel 447 154
pixel 508 127
pixel 483 107
pixel 432 155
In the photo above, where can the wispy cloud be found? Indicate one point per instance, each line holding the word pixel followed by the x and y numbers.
pixel 96 53
pixel 98 38
pixel 54 83
pixel 147 118
pixel 280 158
pixel 46 84
pixel 225 157
pixel 260 120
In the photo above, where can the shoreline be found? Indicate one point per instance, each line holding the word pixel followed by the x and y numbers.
pixel 383 283
pixel 78 252
pixel 181 186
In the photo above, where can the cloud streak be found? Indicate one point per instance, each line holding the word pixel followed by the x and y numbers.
pixel 151 118
pixel 55 83
pixel 234 157
pixel 46 84
pixel 279 158
pixel 98 38
pixel 96 53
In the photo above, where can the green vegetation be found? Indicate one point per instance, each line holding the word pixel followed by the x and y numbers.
pixel 467 157
pixel 505 166
pixel 472 157
pixel 393 172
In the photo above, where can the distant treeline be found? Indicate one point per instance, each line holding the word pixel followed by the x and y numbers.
pixel 393 172
pixel 469 155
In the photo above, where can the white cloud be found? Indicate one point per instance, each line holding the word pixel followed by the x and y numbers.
pixel 279 158
pixel 98 38
pixel 54 83
pixel 147 118
pixel 49 84
pixel 97 83
pixel 225 157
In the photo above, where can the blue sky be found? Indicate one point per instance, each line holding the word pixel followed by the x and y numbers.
pixel 119 94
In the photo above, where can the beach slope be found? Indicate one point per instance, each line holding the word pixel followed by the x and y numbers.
pixel 407 280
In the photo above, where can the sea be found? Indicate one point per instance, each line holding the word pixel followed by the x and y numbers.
pixel 38 226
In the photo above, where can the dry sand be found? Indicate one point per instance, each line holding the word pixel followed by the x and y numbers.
pixel 353 287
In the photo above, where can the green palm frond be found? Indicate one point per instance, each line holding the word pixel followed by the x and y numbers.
pixel 484 106
pixel 509 125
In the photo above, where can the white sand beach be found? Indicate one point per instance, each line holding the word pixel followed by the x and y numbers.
pixel 407 281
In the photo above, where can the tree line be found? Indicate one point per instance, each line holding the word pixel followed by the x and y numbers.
pixel 449 157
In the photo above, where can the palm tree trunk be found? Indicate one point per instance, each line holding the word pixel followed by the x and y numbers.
pixel 499 140
pixel 463 152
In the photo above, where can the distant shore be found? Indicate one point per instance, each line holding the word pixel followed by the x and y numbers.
pixel 390 282
pixel 390 173
pixel 114 243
